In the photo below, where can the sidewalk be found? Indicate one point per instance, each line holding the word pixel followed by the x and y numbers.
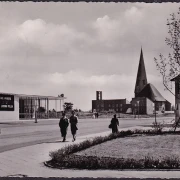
pixel 28 161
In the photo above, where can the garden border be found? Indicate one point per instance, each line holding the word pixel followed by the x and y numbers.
pixel 65 159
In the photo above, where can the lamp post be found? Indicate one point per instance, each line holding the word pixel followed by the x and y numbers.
pixel 138 108
pixel 135 111
pixel 155 111
pixel 35 111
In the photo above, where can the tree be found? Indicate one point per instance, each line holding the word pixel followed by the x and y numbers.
pixel 68 106
pixel 76 110
pixel 169 67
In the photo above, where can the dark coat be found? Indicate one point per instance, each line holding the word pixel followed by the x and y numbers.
pixel 63 124
pixel 73 122
pixel 114 124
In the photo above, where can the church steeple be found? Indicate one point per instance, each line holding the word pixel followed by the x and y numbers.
pixel 141 80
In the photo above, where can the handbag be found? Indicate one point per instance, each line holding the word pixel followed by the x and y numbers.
pixel 110 126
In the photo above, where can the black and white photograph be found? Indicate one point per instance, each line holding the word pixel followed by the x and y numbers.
pixel 90 89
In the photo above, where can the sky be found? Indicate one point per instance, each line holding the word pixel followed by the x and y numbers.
pixel 76 49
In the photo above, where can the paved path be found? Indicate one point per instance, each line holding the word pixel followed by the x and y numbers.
pixel 28 161
pixel 26 133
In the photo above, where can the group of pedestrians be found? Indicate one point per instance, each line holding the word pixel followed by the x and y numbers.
pixel 64 123
pixel 95 115
pixel 73 120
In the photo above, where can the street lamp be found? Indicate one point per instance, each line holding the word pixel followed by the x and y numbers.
pixel 135 111
pixel 138 108
pixel 155 111
pixel 35 110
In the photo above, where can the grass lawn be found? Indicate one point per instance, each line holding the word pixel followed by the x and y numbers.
pixel 125 150
pixel 139 147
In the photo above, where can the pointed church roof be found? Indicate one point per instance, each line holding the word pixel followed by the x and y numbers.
pixel 152 93
pixel 141 80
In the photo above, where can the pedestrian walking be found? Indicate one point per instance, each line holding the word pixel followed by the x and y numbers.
pixel 63 124
pixel 114 124
pixel 73 122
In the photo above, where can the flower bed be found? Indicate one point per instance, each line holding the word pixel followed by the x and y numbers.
pixel 67 157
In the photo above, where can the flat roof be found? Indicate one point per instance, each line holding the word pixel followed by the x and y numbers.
pixel 34 96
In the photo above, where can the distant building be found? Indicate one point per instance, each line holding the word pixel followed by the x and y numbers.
pixel 148 97
pixel 177 96
pixel 20 106
pixel 142 105
pixel 115 105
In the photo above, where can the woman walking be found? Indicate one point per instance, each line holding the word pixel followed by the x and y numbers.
pixel 114 124
pixel 73 122
pixel 63 124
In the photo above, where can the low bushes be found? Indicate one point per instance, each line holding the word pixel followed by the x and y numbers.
pixel 61 153
pixel 93 162
pixel 65 157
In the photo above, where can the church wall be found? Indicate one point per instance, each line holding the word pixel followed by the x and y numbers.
pixel 149 106
pixel 139 105
pixel 167 106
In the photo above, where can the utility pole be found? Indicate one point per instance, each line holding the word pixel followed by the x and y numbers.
pixel 135 111
pixel 35 111
pixel 138 108
pixel 155 111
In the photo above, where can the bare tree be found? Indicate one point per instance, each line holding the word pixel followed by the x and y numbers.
pixel 169 67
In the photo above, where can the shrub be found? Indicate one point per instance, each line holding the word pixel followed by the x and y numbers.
pixel 158 127
pixel 65 157
pixel 93 162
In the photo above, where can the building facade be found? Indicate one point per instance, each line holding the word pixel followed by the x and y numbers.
pixel 149 95
pixel 142 105
pixel 177 96
pixel 147 99
pixel 109 105
pixel 18 106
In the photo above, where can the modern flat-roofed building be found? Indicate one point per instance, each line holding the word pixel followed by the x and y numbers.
pixel 20 106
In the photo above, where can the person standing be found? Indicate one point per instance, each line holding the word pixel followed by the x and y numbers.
pixel 97 115
pixel 63 124
pixel 73 122
pixel 114 124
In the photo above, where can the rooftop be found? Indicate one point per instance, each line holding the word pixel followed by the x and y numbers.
pixel 25 96
pixel 152 93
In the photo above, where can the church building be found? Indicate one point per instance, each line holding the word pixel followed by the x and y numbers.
pixel 147 97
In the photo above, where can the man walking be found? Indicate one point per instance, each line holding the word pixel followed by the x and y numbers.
pixel 73 122
pixel 63 124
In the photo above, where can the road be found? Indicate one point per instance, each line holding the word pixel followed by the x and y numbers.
pixel 26 133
